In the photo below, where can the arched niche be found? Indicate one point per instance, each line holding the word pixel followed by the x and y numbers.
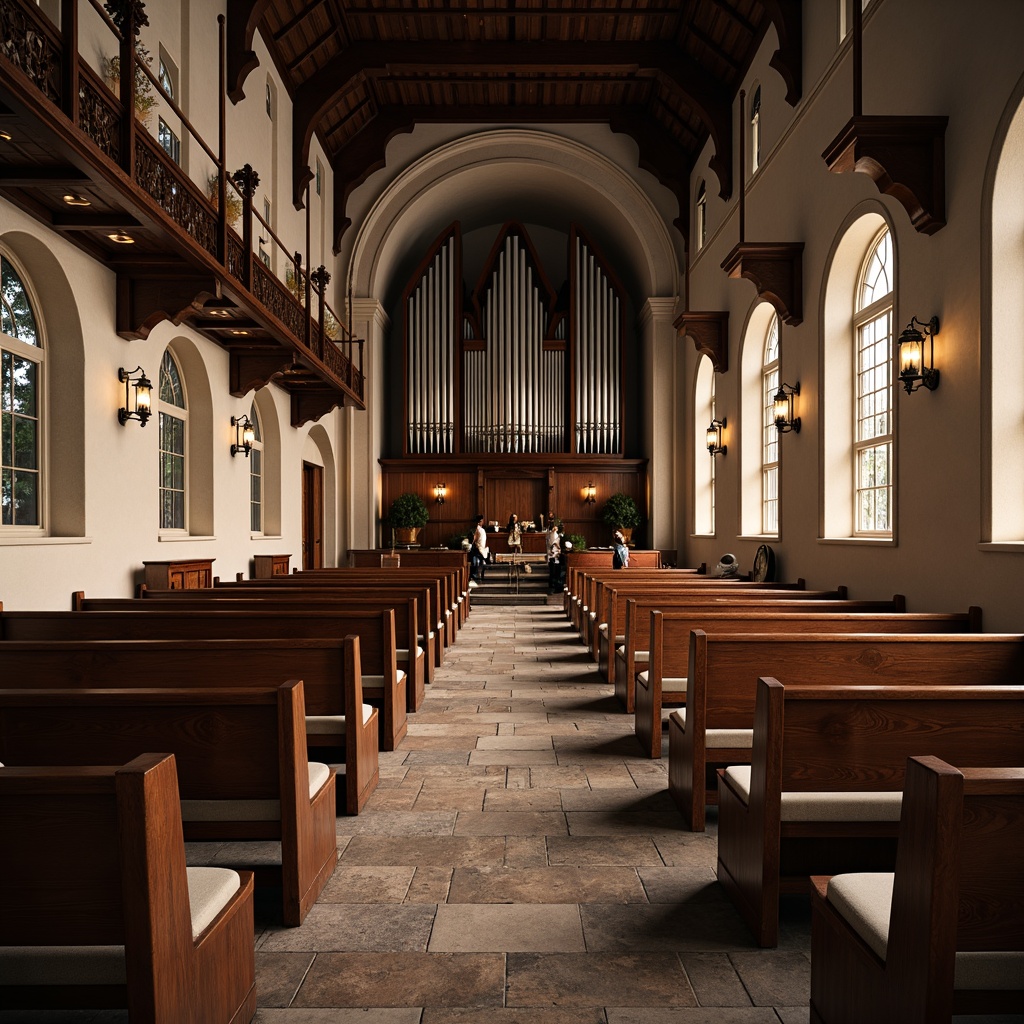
pixel 319 450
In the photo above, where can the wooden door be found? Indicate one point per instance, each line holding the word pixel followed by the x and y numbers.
pixel 312 516
pixel 524 495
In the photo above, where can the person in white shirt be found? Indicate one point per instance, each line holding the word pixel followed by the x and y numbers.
pixel 479 551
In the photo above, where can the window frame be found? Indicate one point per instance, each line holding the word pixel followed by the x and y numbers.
pixel 257 475
pixel 36 354
pixel 756 131
pixel 865 317
pixel 701 215
pixel 180 413
pixel 771 450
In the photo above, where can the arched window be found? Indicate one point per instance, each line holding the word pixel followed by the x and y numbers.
pixel 173 438
pixel 1003 349
pixel 872 345
pixel 755 130
pixel 21 374
pixel 769 432
pixel 701 225
pixel 256 474
pixel 703 464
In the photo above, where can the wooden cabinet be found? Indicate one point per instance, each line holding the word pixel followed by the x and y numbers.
pixel 184 574
pixel 265 566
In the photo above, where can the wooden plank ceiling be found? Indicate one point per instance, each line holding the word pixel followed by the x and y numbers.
pixel 663 71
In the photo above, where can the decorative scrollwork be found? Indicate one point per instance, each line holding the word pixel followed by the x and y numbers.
pixel 165 182
pixel 99 118
pixel 121 10
pixel 247 181
pixel 30 49
pixel 321 277
pixel 236 256
pixel 274 296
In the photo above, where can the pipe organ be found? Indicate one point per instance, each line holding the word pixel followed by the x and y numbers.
pixel 511 368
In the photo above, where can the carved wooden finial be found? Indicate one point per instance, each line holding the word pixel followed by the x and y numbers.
pixel 127 12
pixel 247 181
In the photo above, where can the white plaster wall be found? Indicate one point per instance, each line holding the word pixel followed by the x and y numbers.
pixel 936 559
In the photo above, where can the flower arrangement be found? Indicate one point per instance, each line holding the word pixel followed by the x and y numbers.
pixel 528 525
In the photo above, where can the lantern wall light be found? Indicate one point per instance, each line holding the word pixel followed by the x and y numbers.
pixel 245 435
pixel 714 437
pixel 914 373
pixel 440 490
pixel 784 419
pixel 589 494
pixel 142 407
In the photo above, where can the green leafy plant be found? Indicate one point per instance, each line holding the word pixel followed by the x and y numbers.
pixel 233 202
pixel 620 510
pixel 578 541
pixel 408 510
pixel 145 101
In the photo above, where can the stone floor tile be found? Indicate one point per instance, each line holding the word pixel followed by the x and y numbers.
pixel 514 1015
pixel 517 777
pixel 590 850
pixel 525 852
pixel 516 757
pixel 462 775
pixel 699 927
pixel 547 885
pixel 404 979
pixel 436 744
pixel 279 975
pixel 694 1015
pixel 522 800
pixel 510 823
pixel 400 798
pixel 474 928
pixel 427 823
pixel 607 778
pixel 628 799
pixel 558 778
pixel 303 1015
pixel 425 851
pixel 429 885
pixel 614 823
pixel 514 742
pixel 367 885
pixel 775 978
pixel 802 1015
pixel 588 979
pixel 415 758
pixel 714 979
pixel 375 926
pixel 450 798
pixel 681 884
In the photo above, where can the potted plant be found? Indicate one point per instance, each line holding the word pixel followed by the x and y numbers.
pixel 408 514
pixel 578 542
pixel 620 513
pixel 233 203
pixel 145 101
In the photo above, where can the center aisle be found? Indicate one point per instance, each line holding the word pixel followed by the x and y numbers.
pixel 520 862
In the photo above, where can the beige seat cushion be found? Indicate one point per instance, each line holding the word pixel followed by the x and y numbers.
pixel 719 738
pixel 249 810
pixel 864 900
pixel 209 890
pixel 825 806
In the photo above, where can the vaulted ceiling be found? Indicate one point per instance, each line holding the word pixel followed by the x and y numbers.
pixel 662 71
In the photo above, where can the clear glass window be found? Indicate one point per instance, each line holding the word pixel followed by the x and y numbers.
pixel 256 474
pixel 770 433
pixel 169 141
pixel 702 216
pixel 873 441
pixel 173 427
pixel 166 79
pixel 21 360
pixel 755 130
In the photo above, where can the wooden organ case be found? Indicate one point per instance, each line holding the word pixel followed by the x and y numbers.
pixel 515 386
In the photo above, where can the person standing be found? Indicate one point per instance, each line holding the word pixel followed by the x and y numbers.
pixel 620 553
pixel 478 552
pixel 554 546
pixel 515 534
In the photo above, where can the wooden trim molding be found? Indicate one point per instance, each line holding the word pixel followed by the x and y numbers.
pixel 710 333
pixel 905 157
pixel 776 269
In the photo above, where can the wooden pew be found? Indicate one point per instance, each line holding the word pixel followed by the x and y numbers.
pixel 411 659
pixel 714 730
pixel 651 597
pixel 662 684
pixel 822 792
pixel 578 563
pixel 434 637
pixel 241 759
pixel 905 948
pixel 92 865
pixel 339 726
pixel 422 559
pixel 382 684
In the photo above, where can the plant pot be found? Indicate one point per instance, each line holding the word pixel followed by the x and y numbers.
pixel 627 533
pixel 406 534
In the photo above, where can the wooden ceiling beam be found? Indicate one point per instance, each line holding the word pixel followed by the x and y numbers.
pixel 308 52
pixel 295 22
pixel 702 92
pixel 787 17
pixel 453 11
pixel 240 28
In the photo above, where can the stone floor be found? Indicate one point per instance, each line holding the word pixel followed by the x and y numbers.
pixel 521 863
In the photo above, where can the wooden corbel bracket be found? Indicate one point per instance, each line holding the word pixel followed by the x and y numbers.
pixel 710 334
pixel 776 269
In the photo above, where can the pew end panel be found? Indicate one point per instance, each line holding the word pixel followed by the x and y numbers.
pixel 957 892
pixel 127 886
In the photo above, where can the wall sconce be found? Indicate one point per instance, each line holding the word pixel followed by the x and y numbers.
pixel 913 372
pixel 784 419
pixel 715 446
pixel 440 490
pixel 589 494
pixel 245 435
pixel 142 408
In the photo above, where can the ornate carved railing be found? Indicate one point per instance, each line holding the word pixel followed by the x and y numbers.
pixel 270 291
pixel 99 113
pixel 30 43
